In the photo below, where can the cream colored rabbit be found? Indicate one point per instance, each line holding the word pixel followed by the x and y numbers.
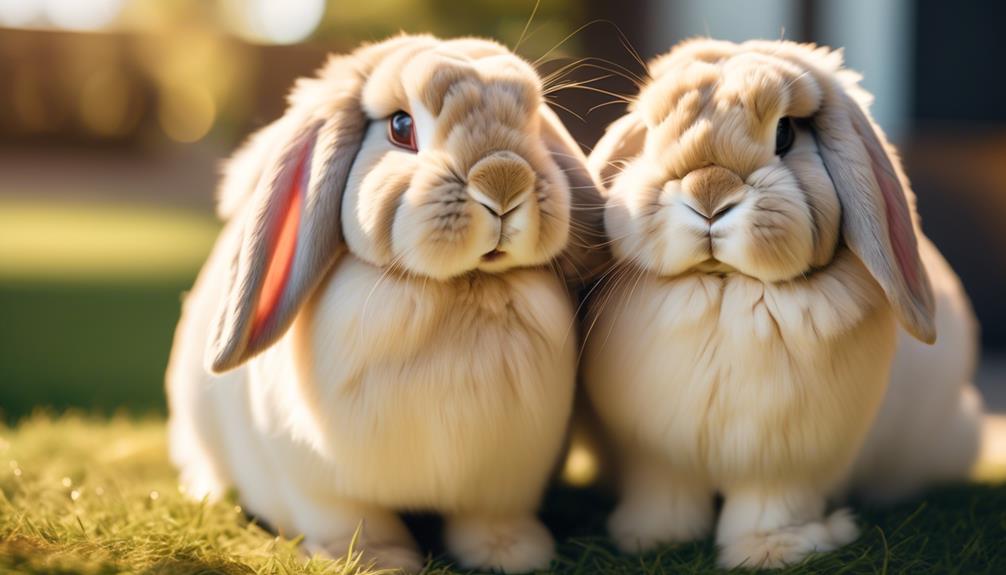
pixel 768 246
pixel 385 326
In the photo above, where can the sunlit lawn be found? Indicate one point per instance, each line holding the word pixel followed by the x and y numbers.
pixel 89 295
pixel 106 244
pixel 99 496
pixel 88 300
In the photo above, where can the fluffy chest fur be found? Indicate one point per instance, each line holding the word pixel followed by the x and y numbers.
pixel 734 379
pixel 423 394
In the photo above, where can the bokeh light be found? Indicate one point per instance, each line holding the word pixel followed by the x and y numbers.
pixel 15 13
pixel 105 103
pixel 29 102
pixel 82 14
pixel 284 21
pixel 581 466
pixel 186 112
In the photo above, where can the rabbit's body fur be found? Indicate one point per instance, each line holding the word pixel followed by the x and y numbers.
pixel 709 373
pixel 384 407
pixel 703 381
pixel 929 385
pixel 929 426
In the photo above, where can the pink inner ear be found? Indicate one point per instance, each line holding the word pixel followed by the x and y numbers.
pixel 283 252
pixel 899 221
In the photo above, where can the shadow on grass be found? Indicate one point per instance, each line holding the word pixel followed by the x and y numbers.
pixel 955 529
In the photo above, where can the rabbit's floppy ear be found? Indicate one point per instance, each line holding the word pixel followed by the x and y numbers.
pixel 584 256
pixel 290 232
pixel 243 170
pixel 878 220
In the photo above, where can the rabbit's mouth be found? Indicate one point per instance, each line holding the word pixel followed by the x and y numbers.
pixel 493 255
pixel 714 266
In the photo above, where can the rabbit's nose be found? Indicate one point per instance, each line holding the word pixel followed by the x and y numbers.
pixel 712 191
pixel 501 182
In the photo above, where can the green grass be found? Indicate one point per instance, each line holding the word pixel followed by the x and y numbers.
pixel 82 495
pixel 89 297
pixel 100 242
pixel 97 347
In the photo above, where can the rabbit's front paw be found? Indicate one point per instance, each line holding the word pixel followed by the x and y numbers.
pixel 515 545
pixel 640 525
pixel 788 545
pixel 659 508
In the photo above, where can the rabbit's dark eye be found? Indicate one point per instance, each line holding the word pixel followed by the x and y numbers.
pixel 402 131
pixel 784 135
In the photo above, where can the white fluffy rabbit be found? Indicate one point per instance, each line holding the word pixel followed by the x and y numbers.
pixel 381 325
pixel 767 247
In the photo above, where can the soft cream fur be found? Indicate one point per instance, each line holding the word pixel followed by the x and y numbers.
pixel 416 376
pixel 929 427
pixel 744 341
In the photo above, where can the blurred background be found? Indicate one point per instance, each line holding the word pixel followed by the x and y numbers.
pixel 115 115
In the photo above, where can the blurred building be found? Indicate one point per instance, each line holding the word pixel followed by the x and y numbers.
pixel 135 102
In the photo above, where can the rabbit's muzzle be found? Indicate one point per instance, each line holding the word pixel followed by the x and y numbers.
pixel 501 182
pixel 712 191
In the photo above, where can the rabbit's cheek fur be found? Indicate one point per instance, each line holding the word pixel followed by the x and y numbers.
pixel 438 231
pixel 643 230
pixel 825 212
pixel 379 178
pixel 768 235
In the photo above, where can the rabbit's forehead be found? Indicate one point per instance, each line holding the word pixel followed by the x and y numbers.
pixel 723 110
pixel 426 78
pixel 761 87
